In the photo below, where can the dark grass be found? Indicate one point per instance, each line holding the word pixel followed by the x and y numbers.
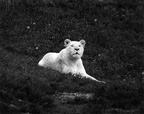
pixel 113 31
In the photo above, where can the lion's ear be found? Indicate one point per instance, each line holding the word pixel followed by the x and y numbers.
pixel 66 42
pixel 83 42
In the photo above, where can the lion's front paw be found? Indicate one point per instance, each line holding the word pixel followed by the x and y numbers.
pixel 99 81
pixel 103 82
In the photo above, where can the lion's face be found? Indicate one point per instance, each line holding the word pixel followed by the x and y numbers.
pixel 75 48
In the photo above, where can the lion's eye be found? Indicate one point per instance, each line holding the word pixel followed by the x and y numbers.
pixel 79 45
pixel 72 46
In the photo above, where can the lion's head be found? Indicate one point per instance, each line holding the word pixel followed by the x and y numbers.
pixel 74 49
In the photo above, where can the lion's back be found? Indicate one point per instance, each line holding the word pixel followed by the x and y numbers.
pixel 48 60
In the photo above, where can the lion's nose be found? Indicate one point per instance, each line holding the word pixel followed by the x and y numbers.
pixel 76 49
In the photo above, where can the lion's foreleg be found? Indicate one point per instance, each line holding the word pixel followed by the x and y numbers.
pixel 90 77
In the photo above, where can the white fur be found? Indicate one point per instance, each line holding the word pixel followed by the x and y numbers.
pixel 68 60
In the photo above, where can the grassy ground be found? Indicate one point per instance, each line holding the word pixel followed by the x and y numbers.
pixel 114 53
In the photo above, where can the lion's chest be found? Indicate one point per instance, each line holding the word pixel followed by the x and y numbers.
pixel 74 69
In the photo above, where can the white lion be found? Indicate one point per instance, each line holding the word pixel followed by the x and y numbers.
pixel 68 60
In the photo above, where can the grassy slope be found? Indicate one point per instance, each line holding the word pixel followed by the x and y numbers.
pixel 28 88
pixel 113 32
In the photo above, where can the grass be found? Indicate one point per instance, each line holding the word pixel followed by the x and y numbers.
pixel 114 53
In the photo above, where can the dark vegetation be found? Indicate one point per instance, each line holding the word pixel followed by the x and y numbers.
pixel 113 30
